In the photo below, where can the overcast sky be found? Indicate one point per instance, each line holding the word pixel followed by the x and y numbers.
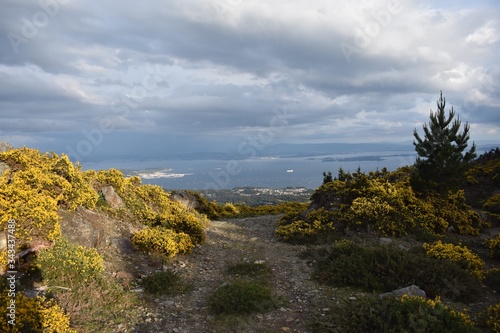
pixel 93 78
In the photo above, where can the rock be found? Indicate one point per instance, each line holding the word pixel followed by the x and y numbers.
pixel 352 298
pixel 4 146
pixel 186 199
pixel 412 290
pixel 111 197
pixel 3 167
pixel 384 240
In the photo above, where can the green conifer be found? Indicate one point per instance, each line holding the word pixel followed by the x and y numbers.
pixel 442 160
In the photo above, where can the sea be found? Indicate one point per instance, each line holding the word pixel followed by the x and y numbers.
pixel 266 172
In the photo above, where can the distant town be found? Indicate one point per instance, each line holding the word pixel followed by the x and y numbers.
pixel 259 195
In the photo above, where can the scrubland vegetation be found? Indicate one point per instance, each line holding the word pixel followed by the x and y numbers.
pixel 440 208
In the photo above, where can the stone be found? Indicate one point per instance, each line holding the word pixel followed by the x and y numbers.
pixel 384 240
pixel 186 199
pixel 112 198
pixel 412 290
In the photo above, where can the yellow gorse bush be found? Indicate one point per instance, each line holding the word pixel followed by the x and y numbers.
pixel 436 304
pixel 493 320
pixel 67 264
pixel 457 254
pixel 161 240
pixel 493 245
pixel 37 315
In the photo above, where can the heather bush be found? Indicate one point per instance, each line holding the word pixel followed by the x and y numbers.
pixel 386 268
pixel 392 315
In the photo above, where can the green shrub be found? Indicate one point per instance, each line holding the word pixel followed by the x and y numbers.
pixel 493 320
pixel 493 245
pixel 457 254
pixel 492 205
pixel 392 315
pixel 165 283
pixel 242 297
pixel 163 241
pixel 492 279
pixel 67 264
pixel 386 268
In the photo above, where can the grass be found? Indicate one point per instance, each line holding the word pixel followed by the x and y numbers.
pixel 252 270
pixel 247 290
pixel 242 297
pixel 165 283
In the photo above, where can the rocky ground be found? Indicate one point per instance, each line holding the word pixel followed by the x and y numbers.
pixel 247 239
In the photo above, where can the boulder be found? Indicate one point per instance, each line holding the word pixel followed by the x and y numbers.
pixel 186 199
pixel 4 146
pixel 111 197
pixel 412 290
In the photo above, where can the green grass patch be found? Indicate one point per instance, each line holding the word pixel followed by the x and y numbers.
pixel 165 283
pixel 242 297
pixel 257 271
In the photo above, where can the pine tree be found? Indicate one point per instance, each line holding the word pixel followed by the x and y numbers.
pixel 441 161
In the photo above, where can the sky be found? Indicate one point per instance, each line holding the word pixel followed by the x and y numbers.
pixel 97 79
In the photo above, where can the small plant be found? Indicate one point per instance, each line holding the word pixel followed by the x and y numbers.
pixel 242 297
pixel 164 282
pixel 457 254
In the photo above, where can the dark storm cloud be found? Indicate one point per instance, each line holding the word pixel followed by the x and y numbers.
pixel 225 69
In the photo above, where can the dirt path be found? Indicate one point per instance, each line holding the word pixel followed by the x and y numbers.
pixel 247 239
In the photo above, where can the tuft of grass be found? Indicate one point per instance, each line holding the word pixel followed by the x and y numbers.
pixel 242 297
pixel 165 283
pixel 248 269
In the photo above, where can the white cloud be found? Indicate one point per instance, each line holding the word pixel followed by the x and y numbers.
pixel 487 34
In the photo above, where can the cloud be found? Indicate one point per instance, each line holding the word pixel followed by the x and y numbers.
pixel 220 70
